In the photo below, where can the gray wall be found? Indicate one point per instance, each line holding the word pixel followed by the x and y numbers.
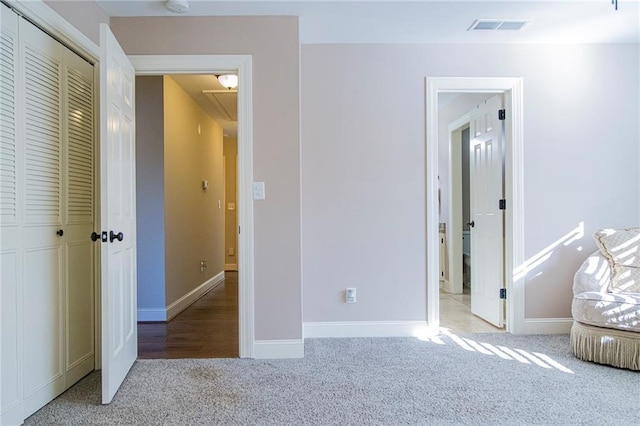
pixel 150 192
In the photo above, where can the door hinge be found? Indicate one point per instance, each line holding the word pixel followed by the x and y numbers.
pixel 238 229
pixel 502 114
pixel 503 293
pixel 502 204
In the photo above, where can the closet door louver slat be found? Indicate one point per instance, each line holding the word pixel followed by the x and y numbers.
pixel 43 155
pixel 8 159
pixel 80 147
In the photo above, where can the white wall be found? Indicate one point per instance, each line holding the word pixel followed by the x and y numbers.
pixel 363 166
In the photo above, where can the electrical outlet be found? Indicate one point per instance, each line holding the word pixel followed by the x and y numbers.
pixel 203 265
pixel 350 295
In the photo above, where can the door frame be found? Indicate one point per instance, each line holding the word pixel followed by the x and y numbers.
pixel 149 65
pixel 45 17
pixel 512 88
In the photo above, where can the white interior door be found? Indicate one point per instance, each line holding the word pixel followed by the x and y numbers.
pixel 486 189
pixel 117 183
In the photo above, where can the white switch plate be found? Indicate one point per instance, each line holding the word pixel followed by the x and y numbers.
pixel 258 191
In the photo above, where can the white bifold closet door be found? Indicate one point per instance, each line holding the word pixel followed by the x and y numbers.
pixel 47 207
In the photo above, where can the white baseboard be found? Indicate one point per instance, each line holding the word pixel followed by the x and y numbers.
pixel 364 329
pixel 547 326
pixel 152 314
pixel 277 349
pixel 185 301
pixel 230 267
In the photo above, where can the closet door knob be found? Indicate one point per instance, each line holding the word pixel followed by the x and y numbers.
pixel 59 232
pixel 472 223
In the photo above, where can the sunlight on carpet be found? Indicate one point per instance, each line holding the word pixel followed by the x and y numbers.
pixel 508 354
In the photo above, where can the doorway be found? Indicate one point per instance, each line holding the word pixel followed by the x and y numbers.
pixel 463 307
pixel 186 130
pixel 154 65
pixel 512 90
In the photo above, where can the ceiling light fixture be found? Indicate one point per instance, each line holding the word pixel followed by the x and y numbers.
pixel 177 6
pixel 230 81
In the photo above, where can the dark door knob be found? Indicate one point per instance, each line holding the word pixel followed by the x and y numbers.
pixel 471 224
pixel 95 236
pixel 59 232
pixel 113 236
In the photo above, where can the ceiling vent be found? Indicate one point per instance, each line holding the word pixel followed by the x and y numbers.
pixel 498 24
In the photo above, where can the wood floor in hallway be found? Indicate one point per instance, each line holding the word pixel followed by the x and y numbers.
pixel 206 329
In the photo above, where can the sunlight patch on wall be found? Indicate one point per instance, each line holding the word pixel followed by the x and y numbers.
pixel 533 262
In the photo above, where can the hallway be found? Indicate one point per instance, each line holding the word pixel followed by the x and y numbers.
pixel 206 329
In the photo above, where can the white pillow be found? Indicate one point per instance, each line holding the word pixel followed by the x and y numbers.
pixel 622 248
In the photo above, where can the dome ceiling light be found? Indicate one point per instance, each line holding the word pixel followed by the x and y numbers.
pixel 230 81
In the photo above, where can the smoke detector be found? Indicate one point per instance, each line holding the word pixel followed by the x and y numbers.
pixel 177 6
pixel 498 24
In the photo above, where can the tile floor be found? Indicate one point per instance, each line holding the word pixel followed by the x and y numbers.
pixel 456 316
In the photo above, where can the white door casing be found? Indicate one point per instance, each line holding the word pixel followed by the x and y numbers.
pixel 486 190
pixel 242 64
pixel 118 214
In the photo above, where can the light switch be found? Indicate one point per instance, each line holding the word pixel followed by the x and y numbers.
pixel 258 191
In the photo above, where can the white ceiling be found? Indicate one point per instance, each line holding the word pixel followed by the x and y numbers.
pixel 417 21
pixel 424 21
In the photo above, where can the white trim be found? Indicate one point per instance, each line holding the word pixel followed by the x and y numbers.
pixel 230 267
pixel 49 20
pixel 547 326
pixel 514 190
pixel 159 315
pixel 210 64
pixel 278 349
pixel 185 301
pixel 364 329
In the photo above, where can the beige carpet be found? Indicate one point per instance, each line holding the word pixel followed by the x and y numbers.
pixel 467 379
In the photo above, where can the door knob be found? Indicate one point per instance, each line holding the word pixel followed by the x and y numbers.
pixel 471 224
pixel 113 236
pixel 99 237
pixel 59 232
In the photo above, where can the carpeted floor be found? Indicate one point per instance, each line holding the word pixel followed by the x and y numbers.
pixel 468 379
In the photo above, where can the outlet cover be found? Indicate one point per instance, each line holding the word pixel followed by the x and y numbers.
pixel 350 295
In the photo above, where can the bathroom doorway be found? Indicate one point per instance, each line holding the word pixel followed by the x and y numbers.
pixel 457 214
